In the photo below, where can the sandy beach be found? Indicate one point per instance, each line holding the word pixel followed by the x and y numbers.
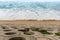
pixel 29 22
pixel 45 24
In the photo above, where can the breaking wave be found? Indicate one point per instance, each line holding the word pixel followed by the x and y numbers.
pixel 29 10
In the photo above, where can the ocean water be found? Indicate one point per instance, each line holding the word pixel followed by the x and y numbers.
pixel 29 10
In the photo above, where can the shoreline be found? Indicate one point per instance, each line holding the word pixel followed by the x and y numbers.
pixel 29 21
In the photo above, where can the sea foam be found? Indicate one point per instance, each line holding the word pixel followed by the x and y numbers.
pixel 29 11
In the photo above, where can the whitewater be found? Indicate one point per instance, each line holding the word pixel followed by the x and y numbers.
pixel 30 11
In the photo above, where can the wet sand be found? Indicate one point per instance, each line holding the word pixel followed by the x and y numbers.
pixel 29 22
